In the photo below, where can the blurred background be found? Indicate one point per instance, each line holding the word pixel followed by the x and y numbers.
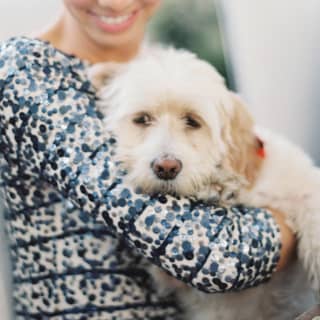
pixel 267 50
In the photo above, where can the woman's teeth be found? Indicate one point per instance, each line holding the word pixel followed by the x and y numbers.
pixel 116 20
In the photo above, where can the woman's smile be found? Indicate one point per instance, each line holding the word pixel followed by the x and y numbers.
pixel 107 30
pixel 114 23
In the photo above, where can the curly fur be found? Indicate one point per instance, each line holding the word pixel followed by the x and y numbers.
pixel 219 162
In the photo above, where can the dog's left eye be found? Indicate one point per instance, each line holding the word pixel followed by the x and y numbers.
pixel 191 122
pixel 143 119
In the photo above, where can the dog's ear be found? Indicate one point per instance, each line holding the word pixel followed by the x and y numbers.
pixel 241 141
pixel 100 74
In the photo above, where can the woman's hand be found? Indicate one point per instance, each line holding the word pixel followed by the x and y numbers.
pixel 288 240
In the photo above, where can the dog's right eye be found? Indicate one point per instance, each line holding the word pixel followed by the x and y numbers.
pixel 143 120
pixel 192 122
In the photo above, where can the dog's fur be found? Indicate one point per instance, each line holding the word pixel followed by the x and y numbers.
pixel 168 104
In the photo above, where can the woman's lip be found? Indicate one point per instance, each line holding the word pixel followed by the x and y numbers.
pixel 115 27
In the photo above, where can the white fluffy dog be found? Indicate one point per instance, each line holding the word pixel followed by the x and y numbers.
pixel 180 130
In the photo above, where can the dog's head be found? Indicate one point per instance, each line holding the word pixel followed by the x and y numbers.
pixel 179 129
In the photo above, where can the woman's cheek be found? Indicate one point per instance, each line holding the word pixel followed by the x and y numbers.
pixel 152 5
pixel 81 4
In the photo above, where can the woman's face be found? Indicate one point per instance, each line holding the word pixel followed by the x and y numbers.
pixel 110 23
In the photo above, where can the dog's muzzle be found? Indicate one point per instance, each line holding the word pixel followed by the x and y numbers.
pixel 166 169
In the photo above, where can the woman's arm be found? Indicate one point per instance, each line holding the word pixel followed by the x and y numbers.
pixel 288 241
pixel 50 129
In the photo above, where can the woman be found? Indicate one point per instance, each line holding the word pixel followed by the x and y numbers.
pixel 72 231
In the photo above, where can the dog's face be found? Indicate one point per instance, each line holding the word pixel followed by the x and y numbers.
pixel 166 147
pixel 176 123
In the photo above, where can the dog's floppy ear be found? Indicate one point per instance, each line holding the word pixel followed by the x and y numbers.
pixel 241 141
pixel 100 74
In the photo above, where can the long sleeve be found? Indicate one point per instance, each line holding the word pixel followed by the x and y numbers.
pixel 50 129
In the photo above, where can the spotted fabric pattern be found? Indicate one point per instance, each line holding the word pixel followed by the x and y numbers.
pixel 80 239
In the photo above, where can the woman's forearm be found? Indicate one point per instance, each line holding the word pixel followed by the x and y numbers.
pixel 57 136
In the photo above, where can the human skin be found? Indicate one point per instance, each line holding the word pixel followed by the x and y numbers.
pixel 81 31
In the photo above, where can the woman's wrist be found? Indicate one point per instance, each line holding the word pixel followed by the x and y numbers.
pixel 288 240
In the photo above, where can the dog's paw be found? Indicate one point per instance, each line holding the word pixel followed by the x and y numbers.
pixel 230 193
pixel 210 194
pixel 225 193
pixel 231 185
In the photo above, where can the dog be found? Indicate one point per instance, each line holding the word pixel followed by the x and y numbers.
pixel 181 131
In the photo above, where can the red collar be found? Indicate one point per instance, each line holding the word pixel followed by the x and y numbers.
pixel 261 150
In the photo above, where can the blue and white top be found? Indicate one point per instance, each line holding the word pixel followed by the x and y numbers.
pixel 80 240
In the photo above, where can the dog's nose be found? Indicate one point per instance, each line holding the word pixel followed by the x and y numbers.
pixel 166 169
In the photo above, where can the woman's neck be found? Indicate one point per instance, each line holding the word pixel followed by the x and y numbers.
pixel 62 36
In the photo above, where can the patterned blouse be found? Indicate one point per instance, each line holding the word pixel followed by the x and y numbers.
pixel 79 239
